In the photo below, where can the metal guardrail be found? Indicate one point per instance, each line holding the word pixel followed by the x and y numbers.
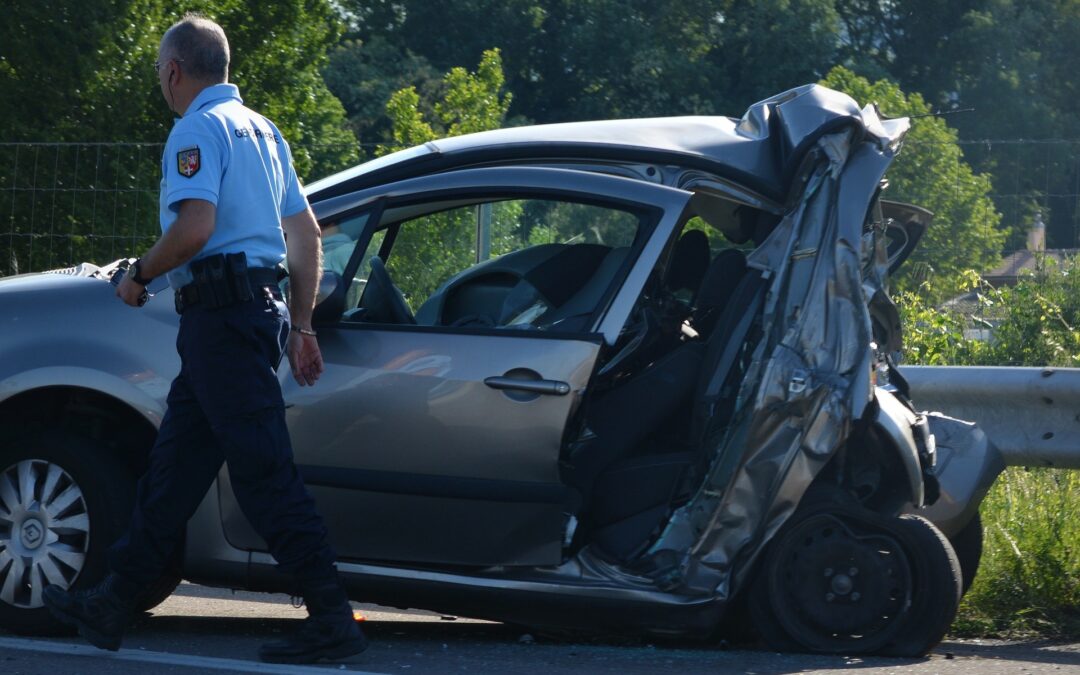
pixel 1032 415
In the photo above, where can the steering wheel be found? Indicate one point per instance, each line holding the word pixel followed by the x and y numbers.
pixel 383 301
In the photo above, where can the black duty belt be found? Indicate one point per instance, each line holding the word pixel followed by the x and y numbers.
pixel 260 277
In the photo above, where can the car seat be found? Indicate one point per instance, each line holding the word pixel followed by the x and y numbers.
pixel 572 314
pixel 625 492
pixel 687 266
pixel 718 284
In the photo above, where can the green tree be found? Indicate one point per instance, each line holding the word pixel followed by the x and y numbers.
pixel 95 60
pixel 931 172
pixel 1011 65
pixel 768 46
pixel 471 102
pixel 49 47
pixel 594 59
pixel 82 73
pixel 444 243
pixel 363 74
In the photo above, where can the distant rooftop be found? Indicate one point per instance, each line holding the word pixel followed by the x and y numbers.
pixel 1017 262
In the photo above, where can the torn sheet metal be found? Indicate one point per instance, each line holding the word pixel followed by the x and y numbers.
pixel 810 374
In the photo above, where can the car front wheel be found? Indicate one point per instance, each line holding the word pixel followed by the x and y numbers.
pixel 63 501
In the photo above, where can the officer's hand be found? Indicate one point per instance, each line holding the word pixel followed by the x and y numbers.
pixel 131 292
pixel 305 359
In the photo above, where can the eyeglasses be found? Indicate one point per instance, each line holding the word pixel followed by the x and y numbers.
pixel 159 64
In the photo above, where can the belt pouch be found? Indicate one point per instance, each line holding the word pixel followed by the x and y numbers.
pixel 239 282
pixel 212 288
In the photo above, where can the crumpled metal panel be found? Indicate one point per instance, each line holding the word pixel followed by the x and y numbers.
pixel 810 374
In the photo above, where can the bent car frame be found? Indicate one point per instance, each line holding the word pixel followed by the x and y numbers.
pixel 632 375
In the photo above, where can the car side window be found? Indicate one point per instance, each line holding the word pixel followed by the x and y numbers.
pixel 519 263
pixel 339 239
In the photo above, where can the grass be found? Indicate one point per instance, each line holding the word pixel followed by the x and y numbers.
pixel 1029 579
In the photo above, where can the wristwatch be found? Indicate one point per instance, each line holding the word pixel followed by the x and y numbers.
pixel 136 273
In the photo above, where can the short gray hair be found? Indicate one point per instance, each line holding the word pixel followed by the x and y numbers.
pixel 201 45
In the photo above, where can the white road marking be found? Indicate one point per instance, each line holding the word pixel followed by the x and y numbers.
pixel 142 656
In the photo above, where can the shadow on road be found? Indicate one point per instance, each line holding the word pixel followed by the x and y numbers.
pixel 440 646
pixel 1034 651
pixel 421 643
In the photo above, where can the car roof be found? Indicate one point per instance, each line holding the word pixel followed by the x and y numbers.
pixel 761 150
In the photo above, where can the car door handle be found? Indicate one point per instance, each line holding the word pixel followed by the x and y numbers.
pixel 548 387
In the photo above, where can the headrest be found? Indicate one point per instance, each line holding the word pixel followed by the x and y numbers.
pixel 689 261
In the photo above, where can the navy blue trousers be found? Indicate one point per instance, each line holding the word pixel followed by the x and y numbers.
pixel 226 406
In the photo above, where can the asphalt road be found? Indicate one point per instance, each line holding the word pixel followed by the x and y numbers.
pixel 208 630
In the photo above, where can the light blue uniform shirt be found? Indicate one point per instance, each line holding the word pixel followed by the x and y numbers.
pixel 236 159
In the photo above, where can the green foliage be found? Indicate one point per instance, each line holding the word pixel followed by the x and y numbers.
pixel 772 45
pixel 598 59
pixel 933 337
pixel 101 85
pixel 50 47
pixel 1010 64
pixel 474 101
pixel 66 204
pixel 1034 323
pixel 471 102
pixel 931 172
pixel 428 252
pixel 1029 580
pixel 364 74
pixel 1015 62
pixel 1038 320
pixel 83 73
pixel 409 126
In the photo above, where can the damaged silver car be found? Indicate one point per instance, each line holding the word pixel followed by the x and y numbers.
pixel 632 375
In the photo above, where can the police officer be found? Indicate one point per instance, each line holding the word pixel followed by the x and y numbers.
pixel 229 200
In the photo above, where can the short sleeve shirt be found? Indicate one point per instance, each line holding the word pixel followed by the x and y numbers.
pixel 227 154
pixel 337 249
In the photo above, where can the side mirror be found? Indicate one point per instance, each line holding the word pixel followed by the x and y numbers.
pixel 907 224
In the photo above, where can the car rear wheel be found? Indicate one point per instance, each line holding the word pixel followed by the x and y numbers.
pixel 63 502
pixel 845 580
pixel 937 587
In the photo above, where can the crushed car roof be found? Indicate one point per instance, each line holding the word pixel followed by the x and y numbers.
pixel 760 150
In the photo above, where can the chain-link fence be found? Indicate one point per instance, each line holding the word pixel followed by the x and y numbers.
pixel 63 203
pixel 1032 175
pixel 66 203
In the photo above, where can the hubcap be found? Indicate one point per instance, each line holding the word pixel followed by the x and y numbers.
pixel 44 531
pixel 841 584
pixel 32 532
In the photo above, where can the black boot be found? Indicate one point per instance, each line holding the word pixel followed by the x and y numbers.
pixel 329 632
pixel 100 613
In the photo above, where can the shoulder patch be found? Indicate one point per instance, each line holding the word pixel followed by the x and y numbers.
pixel 187 162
